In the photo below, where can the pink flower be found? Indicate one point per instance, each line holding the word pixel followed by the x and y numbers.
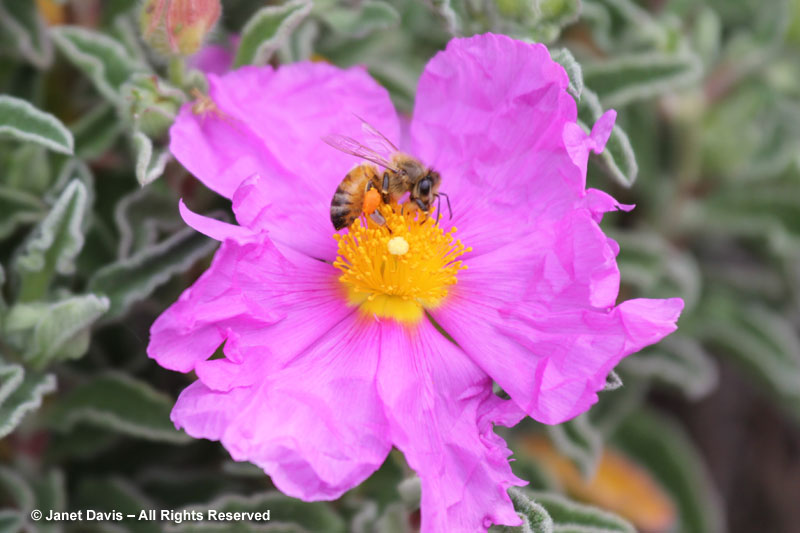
pixel 326 365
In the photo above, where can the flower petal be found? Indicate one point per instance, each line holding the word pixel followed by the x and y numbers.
pixel 489 115
pixel 553 363
pixel 271 123
pixel 255 293
pixel 316 426
pixel 441 411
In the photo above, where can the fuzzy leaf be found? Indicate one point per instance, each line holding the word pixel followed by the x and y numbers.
pixel 25 29
pixel 654 267
pixel 679 362
pixel 19 208
pixel 369 17
pixel 535 518
pixel 564 57
pixel 624 79
pixel 617 159
pixel 306 516
pixel 21 392
pixel 130 280
pixel 267 30
pixel 97 131
pixel 54 244
pixel 120 403
pixel 103 59
pixel 22 121
pixel 660 445
pixel 613 381
pixel 581 442
pixel 116 494
pixel 149 165
pixel 49 332
pixel 761 341
pixel 572 517
pixel 141 215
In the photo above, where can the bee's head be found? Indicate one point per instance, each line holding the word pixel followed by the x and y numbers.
pixel 424 190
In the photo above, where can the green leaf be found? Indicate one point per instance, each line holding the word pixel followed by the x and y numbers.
pixel 120 403
pixel 133 279
pixel 617 159
pixel 613 381
pixel 21 392
pixel 655 268
pixel 666 451
pixel 26 30
pixel 96 131
pixel 16 489
pixel 29 169
pixel 535 518
pixel 564 57
pixel 149 165
pixel 306 516
pixel 49 332
pixel 22 121
pixel 626 78
pixel 116 494
pixel 764 343
pixel 580 441
pixel 19 208
pixel 267 30
pixel 54 244
pixel 141 215
pixel 572 517
pixel 369 17
pixel 103 59
pixel 678 361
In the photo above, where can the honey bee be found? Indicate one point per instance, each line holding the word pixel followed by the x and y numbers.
pixel 364 188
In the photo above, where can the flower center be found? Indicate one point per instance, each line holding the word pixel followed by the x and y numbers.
pixel 400 268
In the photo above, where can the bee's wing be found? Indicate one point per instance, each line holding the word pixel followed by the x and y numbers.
pixel 351 146
pixel 377 138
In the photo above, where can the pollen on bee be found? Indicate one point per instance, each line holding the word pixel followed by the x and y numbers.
pixel 372 198
pixel 397 246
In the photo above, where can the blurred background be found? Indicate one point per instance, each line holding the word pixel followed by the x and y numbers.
pixel 702 436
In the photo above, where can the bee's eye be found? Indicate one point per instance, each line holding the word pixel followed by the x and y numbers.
pixel 425 186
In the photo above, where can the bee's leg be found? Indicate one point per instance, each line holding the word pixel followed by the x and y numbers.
pixel 379 220
pixel 438 208
pixel 385 188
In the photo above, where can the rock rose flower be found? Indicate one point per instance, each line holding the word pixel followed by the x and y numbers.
pixel 339 347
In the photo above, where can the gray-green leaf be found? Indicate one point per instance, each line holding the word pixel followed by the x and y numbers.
pixel 134 278
pixel 625 79
pixel 22 121
pixel 578 440
pixel 667 452
pixel 20 393
pixel 24 28
pixel 267 30
pixel 55 243
pixel 150 164
pixel 120 403
pixel 49 332
pixel 103 59
pixel 617 159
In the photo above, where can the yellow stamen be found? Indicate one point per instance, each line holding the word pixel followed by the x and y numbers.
pixel 414 275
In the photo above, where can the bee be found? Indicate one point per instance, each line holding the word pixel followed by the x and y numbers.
pixel 364 188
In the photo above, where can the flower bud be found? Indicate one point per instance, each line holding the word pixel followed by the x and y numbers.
pixel 178 26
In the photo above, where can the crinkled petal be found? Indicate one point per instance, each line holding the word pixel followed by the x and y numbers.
pixel 489 115
pixel 253 292
pixel 553 363
pixel 441 411
pixel 315 426
pixel 270 123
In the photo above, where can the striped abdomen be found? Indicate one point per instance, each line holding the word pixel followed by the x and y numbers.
pixel 348 201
